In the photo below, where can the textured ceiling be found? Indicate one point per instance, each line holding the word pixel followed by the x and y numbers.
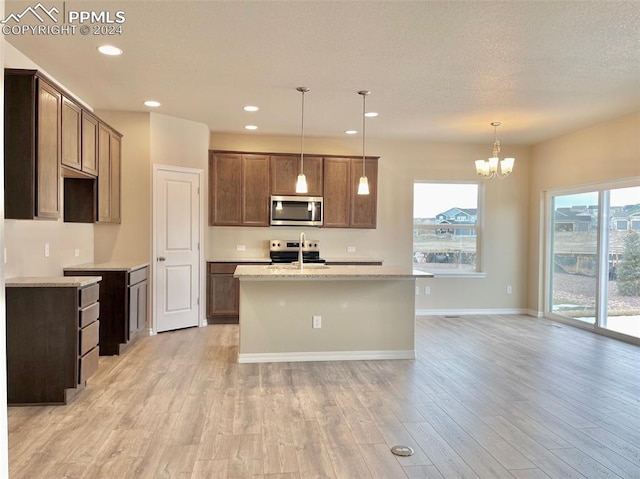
pixel 439 71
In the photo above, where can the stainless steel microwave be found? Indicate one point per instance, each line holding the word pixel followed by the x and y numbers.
pixel 296 210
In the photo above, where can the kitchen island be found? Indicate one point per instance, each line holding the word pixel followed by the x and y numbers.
pixel 363 312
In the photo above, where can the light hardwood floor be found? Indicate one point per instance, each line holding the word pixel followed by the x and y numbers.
pixel 488 396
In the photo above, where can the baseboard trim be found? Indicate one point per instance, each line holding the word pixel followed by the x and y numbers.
pixel 325 356
pixel 467 312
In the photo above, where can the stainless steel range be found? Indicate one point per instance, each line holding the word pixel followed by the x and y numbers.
pixel 286 251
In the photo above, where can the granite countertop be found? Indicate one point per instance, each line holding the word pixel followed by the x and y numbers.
pixel 51 281
pixel 322 272
pixel 108 266
pixel 346 259
pixel 268 260
pixel 261 259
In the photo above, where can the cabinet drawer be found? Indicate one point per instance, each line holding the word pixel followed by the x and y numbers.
pixel 88 365
pixel 89 337
pixel 138 275
pixel 89 314
pixel 222 268
pixel 89 295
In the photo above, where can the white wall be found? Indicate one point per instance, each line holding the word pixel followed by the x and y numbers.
pixel 400 164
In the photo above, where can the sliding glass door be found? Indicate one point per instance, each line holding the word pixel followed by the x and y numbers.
pixel 623 286
pixel 594 260
pixel 574 243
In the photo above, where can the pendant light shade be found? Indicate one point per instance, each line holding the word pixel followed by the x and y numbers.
pixel 301 183
pixel 363 185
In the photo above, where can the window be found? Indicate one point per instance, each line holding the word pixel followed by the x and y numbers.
pixel 446 226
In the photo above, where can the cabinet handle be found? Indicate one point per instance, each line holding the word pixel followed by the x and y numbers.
pixel 161 258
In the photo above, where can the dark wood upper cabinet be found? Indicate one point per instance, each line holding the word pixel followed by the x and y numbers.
pixel 225 189
pixel 239 189
pixel 255 189
pixel 364 209
pixel 32 139
pixel 343 207
pixel 89 142
pixel 109 151
pixel 240 185
pixel 48 135
pixel 71 136
pixel 285 170
pixel 337 192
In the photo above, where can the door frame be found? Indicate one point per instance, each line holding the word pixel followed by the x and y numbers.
pixel 202 320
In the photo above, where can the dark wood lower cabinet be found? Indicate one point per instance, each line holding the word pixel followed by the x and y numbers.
pixel 223 293
pixel 52 342
pixel 123 304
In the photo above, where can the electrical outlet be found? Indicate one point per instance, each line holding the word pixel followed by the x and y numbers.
pixel 241 247
pixel 351 249
pixel 76 252
pixel 509 289
pixel 417 290
pixel 317 322
pixel 46 250
pixel 427 290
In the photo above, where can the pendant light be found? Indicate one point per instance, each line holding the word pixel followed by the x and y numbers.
pixel 489 168
pixel 301 183
pixel 363 185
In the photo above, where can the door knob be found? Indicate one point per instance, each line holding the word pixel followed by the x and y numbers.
pixel 161 258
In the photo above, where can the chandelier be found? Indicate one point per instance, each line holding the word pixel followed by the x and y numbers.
pixel 489 168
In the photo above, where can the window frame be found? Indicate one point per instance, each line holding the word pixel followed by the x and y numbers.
pixel 479 229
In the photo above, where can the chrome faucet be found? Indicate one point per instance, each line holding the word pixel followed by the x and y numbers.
pixel 302 240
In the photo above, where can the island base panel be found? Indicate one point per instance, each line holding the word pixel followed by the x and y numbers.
pixel 368 319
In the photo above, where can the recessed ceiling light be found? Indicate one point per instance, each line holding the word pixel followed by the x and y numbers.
pixel 251 127
pixel 109 50
pixel 152 103
pixel 351 132
pixel 371 114
pixel 251 108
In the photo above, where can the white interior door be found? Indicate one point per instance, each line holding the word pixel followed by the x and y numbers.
pixel 177 256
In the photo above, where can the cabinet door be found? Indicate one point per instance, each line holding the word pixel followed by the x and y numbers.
pixel 255 190
pixel 364 208
pixel 71 124
pixel 89 135
pixel 104 174
pixel 225 192
pixel 142 305
pixel 223 295
pixel 285 170
pixel 109 148
pixel 114 152
pixel 137 307
pixel 48 152
pixel 337 189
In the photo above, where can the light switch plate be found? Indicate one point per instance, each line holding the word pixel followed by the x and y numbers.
pixel 76 252
pixel 46 250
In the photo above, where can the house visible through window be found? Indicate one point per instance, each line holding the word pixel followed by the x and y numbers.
pixel 446 227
